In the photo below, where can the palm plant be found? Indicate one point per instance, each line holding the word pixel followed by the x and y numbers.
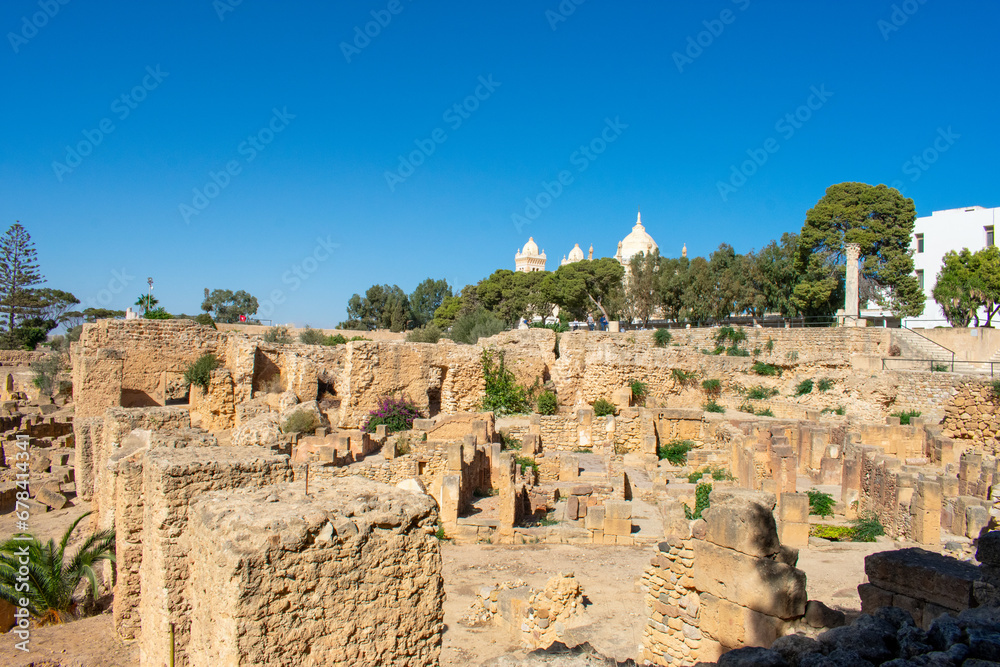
pixel 51 580
pixel 147 302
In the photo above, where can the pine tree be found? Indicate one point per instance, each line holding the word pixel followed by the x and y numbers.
pixel 18 273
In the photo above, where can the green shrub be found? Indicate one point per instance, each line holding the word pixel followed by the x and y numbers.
pixel 354 338
pixel 839 410
pixel 439 533
pixel 502 395
pixel 867 527
pixel 481 323
pixel 825 384
pixel 662 337
pixel 995 386
pixel 402 445
pixel 760 368
pixel 701 501
pixel 820 504
pixel 675 452
pixel 205 320
pixel 712 406
pixel 747 407
pixel 769 346
pixel 695 477
pixel 719 474
pixel 722 335
pixel 396 414
pixel 734 351
pixel 277 335
pixel 429 333
pixel 833 533
pixel 157 314
pixel 310 336
pixel 639 391
pixel 905 417
pixel 547 403
pixel 558 327
pixel 792 356
pixel 300 421
pixel 759 392
pixel 335 339
pixel 765 413
pixel 583 450
pixel 46 371
pixel 711 387
pixel 756 351
pixel 603 407
pixel 681 377
pixel 200 372
pixel 804 387
pixel 939 368
pixel 508 442
pixel 526 462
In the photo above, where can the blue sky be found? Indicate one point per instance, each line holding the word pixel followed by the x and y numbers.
pixel 272 147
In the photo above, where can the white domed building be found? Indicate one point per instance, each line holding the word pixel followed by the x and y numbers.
pixel 528 258
pixel 638 241
pixel 575 255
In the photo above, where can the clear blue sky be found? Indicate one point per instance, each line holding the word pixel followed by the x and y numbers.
pixel 889 95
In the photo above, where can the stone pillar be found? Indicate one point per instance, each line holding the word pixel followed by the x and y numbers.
pixel 851 299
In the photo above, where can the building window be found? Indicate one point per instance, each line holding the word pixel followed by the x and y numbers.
pixel 989 236
pixel 920 243
pixel 920 277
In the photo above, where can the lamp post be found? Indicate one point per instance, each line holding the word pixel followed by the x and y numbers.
pixel 149 298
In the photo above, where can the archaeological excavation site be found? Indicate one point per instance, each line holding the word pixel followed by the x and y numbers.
pixel 376 503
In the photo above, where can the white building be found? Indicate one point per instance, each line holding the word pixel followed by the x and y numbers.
pixel 933 236
pixel 528 258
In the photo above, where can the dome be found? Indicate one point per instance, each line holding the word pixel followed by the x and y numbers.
pixel 530 248
pixel 638 241
pixel 576 254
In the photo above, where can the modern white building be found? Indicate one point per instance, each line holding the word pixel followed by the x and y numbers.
pixel 934 235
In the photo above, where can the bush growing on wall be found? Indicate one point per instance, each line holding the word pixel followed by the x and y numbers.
pixel 661 337
pixel 547 403
pixel 277 335
pixel 603 407
pixel 200 372
pixel 502 395
pixel 396 414
pixel 300 421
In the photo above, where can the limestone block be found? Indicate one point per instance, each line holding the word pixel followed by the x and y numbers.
pixel 794 534
pixel 760 584
pixel 746 527
pixel 873 597
pixel 595 518
pixel 51 497
pixel 733 625
pixel 359 572
pixel 261 431
pixel 923 575
pixel 794 508
pixel 572 507
pixel 618 509
pixel 617 526
pixel 569 467
pixel 977 517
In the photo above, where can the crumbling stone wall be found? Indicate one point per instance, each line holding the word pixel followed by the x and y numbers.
pixel 350 575
pixel 172 479
pixel 974 414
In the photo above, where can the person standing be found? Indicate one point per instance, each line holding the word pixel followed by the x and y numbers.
pixel 590 322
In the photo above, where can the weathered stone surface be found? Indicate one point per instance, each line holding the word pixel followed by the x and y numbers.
pixel 760 584
pixel 51 497
pixel 261 431
pixel 923 575
pixel 745 527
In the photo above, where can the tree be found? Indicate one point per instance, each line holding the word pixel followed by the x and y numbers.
pixel 954 288
pixel 147 302
pixel 227 306
pixel 54 304
pixel 382 307
pixel 642 283
pixel 449 309
pixel 880 220
pixel 18 273
pixel 52 580
pixel 582 286
pixel 427 298
pixel 512 295
pixel 673 283
pixel 699 291
pixel 771 274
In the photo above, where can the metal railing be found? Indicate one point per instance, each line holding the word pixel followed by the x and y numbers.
pixel 943 366
pixel 948 350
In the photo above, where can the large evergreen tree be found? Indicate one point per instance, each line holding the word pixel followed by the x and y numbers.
pixel 880 220
pixel 18 274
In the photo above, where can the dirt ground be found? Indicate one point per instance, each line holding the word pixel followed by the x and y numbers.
pixel 612 623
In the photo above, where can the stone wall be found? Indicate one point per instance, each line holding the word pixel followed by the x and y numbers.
pixel 350 575
pixel 172 479
pixel 974 414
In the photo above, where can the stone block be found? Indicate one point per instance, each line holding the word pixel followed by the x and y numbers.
pixel 618 509
pixel 794 508
pixel 733 625
pixel 617 526
pixel 51 498
pixel 923 575
pixel 569 467
pixel 873 597
pixel 794 534
pixel 572 507
pixel 595 518
pixel 745 527
pixel 977 517
pixel 423 424
pixel 761 584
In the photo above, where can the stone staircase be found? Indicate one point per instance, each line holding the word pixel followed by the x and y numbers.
pixel 914 346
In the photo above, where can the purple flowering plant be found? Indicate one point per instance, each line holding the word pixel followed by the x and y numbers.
pixel 397 414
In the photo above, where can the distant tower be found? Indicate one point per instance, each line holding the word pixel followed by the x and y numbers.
pixel 529 259
pixel 575 255
pixel 638 241
pixel 590 255
pixel 684 250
